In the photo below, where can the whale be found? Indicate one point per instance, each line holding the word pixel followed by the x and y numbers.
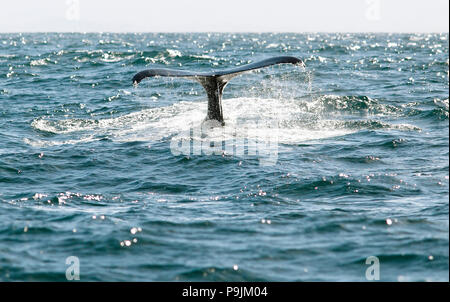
pixel 214 82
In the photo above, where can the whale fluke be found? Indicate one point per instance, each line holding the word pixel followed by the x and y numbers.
pixel 215 81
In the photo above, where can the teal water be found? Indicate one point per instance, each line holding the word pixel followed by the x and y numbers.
pixel 88 169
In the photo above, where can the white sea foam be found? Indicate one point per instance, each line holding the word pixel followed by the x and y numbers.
pixel 174 53
pixel 39 62
pixel 295 121
pixel 45 143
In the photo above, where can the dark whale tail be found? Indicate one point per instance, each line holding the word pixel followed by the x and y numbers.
pixel 214 82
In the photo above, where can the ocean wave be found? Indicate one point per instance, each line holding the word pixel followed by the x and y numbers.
pixel 42 62
pixel 290 121
pixel 87 161
pixel 48 143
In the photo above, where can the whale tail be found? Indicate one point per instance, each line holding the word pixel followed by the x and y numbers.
pixel 214 82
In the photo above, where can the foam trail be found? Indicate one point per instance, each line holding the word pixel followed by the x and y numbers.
pixel 296 121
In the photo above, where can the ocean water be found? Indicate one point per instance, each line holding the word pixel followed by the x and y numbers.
pixel 352 158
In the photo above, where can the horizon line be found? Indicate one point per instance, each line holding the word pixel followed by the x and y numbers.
pixel 227 32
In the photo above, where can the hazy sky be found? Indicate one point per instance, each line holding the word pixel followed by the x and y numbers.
pixel 225 15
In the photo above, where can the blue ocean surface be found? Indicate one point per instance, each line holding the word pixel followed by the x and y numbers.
pixel 351 160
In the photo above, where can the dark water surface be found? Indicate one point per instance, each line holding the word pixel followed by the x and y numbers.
pixel 88 168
